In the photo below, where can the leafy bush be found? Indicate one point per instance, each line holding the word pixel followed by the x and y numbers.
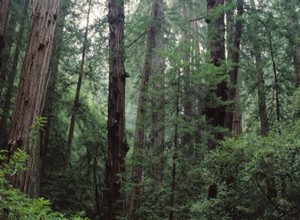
pixel 257 177
pixel 16 205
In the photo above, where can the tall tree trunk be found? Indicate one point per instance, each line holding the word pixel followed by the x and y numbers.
pixel 137 168
pixel 174 157
pixel 276 81
pixel 31 92
pixel 234 33
pixel 117 146
pixel 293 36
pixel 53 71
pixel 187 90
pixel 76 103
pixel 148 69
pixel 4 12
pixel 262 107
pixel 296 58
pixel 157 80
pixel 199 103
pixel 216 115
pixel 11 79
pixel 7 54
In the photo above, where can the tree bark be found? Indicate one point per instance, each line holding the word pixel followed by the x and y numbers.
pixel 186 70
pixel 157 82
pixel 31 92
pixel 216 28
pixel 117 147
pixel 234 33
pixel 76 104
pixel 11 78
pixel 262 107
pixel 199 103
pixel 216 115
pixel 50 94
pixel 9 38
pixel 276 81
pixel 4 12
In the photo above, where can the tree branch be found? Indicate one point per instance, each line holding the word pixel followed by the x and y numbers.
pixel 135 40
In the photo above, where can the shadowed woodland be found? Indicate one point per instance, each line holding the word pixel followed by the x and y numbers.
pixel 153 109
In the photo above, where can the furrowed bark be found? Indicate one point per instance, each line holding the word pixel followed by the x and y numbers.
pixel 11 79
pixel 157 86
pixel 216 29
pixel 216 115
pixel 50 94
pixel 31 92
pixel 117 146
pixel 4 12
pixel 233 113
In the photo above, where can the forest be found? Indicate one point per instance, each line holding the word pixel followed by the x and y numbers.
pixel 153 109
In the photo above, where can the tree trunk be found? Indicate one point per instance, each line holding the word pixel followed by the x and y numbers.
pixel 31 92
pixel 174 157
pixel 157 81
pixel 262 107
pixel 137 168
pixel 234 32
pixel 296 58
pixel 293 36
pixel 53 71
pixel 4 12
pixel 187 90
pixel 276 81
pixel 76 103
pixel 117 146
pixel 11 79
pixel 199 103
pixel 216 115
pixel 9 38
pixel 148 69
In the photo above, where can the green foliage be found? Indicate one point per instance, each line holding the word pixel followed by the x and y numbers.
pixel 257 178
pixel 16 205
pixel 35 129
pixel 81 187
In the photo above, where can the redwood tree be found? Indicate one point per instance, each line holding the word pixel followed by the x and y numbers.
pixel 117 147
pixel 158 98
pixel 152 66
pixel 50 94
pixel 4 12
pixel 11 77
pixel 259 68
pixel 216 115
pixel 293 36
pixel 31 91
pixel 234 33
